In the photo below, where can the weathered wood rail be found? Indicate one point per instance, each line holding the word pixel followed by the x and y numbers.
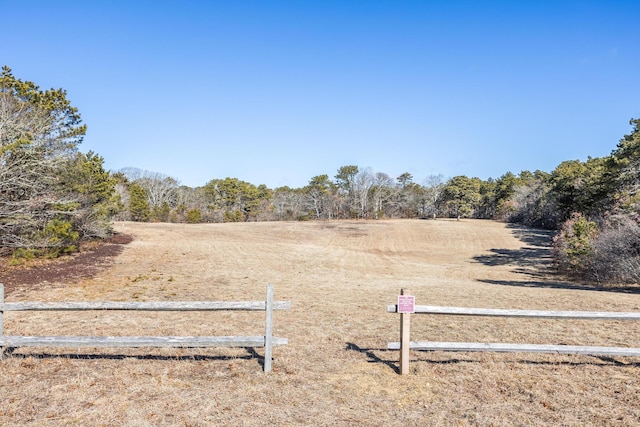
pixel 406 344
pixel 267 341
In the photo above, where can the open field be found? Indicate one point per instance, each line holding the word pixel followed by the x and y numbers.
pixel 336 370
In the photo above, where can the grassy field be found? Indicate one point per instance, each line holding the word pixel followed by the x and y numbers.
pixel 336 370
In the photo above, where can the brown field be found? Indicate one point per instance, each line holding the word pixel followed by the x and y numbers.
pixel 336 370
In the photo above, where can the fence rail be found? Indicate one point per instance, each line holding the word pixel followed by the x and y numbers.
pixel 267 341
pixel 145 306
pixel 405 344
pixel 540 314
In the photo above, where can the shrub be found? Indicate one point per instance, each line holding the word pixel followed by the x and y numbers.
pixel 194 216
pixel 233 216
pixel 609 255
pixel 22 255
pixel 573 245
pixel 616 255
pixel 161 212
pixel 60 238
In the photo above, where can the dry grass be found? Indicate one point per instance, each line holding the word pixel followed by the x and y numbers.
pixel 335 371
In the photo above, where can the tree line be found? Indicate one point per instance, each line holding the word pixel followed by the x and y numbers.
pixel 53 197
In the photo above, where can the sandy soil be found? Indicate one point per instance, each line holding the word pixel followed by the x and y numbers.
pixel 336 370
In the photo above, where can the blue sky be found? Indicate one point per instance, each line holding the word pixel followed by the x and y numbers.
pixel 276 92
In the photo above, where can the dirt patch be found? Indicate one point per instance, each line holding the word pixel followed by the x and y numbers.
pixel 91 260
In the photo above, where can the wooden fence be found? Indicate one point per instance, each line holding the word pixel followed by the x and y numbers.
pixel 267 341
pixel 405 344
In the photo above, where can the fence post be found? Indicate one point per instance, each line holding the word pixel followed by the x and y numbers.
pixel 1 317
pixel 405 338
pixel 268 336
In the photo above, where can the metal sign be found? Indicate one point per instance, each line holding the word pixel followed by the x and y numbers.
pixel 406 304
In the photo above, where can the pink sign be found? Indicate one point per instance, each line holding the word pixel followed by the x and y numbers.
pixel 406 304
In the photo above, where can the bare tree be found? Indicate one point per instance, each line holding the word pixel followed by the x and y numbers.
pixel 161 190
pixel 381 191
pixel 433 187
pixel 122 191
pixel 319 195
pixel 362 184
pixel 616 255
pixel 190 198
pixel 289 204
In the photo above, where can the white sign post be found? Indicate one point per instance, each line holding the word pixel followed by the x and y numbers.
pixel 406 306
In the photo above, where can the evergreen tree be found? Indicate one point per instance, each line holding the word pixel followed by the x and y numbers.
pixel 39 133
pixel 139 209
